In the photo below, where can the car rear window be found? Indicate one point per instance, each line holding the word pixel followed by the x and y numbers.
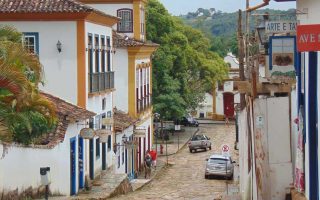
pixel 218 160
pixel 197 137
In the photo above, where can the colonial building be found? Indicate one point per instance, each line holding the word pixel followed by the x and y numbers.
pixel 225 95
pixel 74 45
pixel 132 62
pixel 61 151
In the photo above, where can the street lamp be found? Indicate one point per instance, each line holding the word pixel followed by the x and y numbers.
pixel 261 29
pixel 124 139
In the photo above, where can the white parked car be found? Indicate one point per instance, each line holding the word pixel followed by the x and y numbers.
pixel 219 165
pixel 199 142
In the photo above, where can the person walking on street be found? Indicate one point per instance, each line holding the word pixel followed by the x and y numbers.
pixel 153 155
pixel 147 165
pixel 226 120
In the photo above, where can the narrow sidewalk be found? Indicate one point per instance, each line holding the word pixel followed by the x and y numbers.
pixel 110 184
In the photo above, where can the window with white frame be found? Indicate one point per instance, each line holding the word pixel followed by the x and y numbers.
pixel 31 42
pixel 125 24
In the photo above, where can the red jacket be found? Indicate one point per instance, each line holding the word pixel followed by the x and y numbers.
pixel 153 154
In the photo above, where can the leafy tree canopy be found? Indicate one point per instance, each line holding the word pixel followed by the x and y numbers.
pixel 184 67
pixel 24 113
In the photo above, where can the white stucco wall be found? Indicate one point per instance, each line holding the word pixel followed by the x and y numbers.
pixel 20 168
pixel 121 170
pixel 60 69
pixel 94 103
pixel 228 86
pixel 243 154
pixel 219 103
pixel 121 82
pixel 311 7
pixel 230 58
pixel 111 9
pixel 294 126
pixel 205 106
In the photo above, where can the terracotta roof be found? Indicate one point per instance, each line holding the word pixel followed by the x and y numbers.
pixel 66 113
pixel 47 6
pixel 122 120
pixel 120 40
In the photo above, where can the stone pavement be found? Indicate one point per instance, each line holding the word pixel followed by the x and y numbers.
pixel 184 177
pixel 180 138
pixel 176 141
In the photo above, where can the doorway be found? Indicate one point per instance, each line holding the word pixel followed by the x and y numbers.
pixel 91 159
pixel 228 104
pixel 73 166
pixel 81 163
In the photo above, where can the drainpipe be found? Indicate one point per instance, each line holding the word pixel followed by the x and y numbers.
pixel 265 3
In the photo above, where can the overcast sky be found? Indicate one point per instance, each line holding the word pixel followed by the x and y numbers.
pixel 177 7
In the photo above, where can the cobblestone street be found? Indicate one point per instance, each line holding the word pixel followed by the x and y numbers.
pixel 184 178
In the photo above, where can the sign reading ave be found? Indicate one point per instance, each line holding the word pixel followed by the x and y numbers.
pixel 308 38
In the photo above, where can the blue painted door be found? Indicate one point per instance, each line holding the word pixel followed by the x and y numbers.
pixel 313 127
pixel 81 161
pixel 91 159
pixel 126 161
pixel 73 189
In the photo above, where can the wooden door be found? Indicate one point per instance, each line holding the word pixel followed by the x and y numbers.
pixel 228 104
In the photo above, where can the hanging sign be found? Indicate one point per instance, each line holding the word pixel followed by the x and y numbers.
pixel 87 133
pixel 308 38
pixel 107 121
pixel 139 133
pixel 103 132
pixel 104 138
pixel 281 26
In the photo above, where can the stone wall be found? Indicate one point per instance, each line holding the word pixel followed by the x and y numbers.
pixel 30 192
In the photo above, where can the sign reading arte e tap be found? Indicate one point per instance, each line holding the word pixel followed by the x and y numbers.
pixel 308 38
pixel 281 26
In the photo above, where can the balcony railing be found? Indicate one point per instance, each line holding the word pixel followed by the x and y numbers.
pixel 102 81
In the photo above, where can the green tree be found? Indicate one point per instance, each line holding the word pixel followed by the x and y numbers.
pixel 184 67
pixel 24 113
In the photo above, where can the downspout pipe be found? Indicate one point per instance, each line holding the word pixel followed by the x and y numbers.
pixel 265 3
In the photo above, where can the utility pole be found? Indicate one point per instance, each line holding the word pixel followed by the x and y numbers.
pixel 241 58
pixel 247 34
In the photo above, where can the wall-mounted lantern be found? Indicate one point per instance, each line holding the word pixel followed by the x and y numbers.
pixel 263 37
pixel 59 46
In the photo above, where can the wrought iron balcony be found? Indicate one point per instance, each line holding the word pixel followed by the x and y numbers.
pixel 101 81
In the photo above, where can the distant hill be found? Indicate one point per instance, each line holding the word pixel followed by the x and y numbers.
pixel 221 27
pixel 218 23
